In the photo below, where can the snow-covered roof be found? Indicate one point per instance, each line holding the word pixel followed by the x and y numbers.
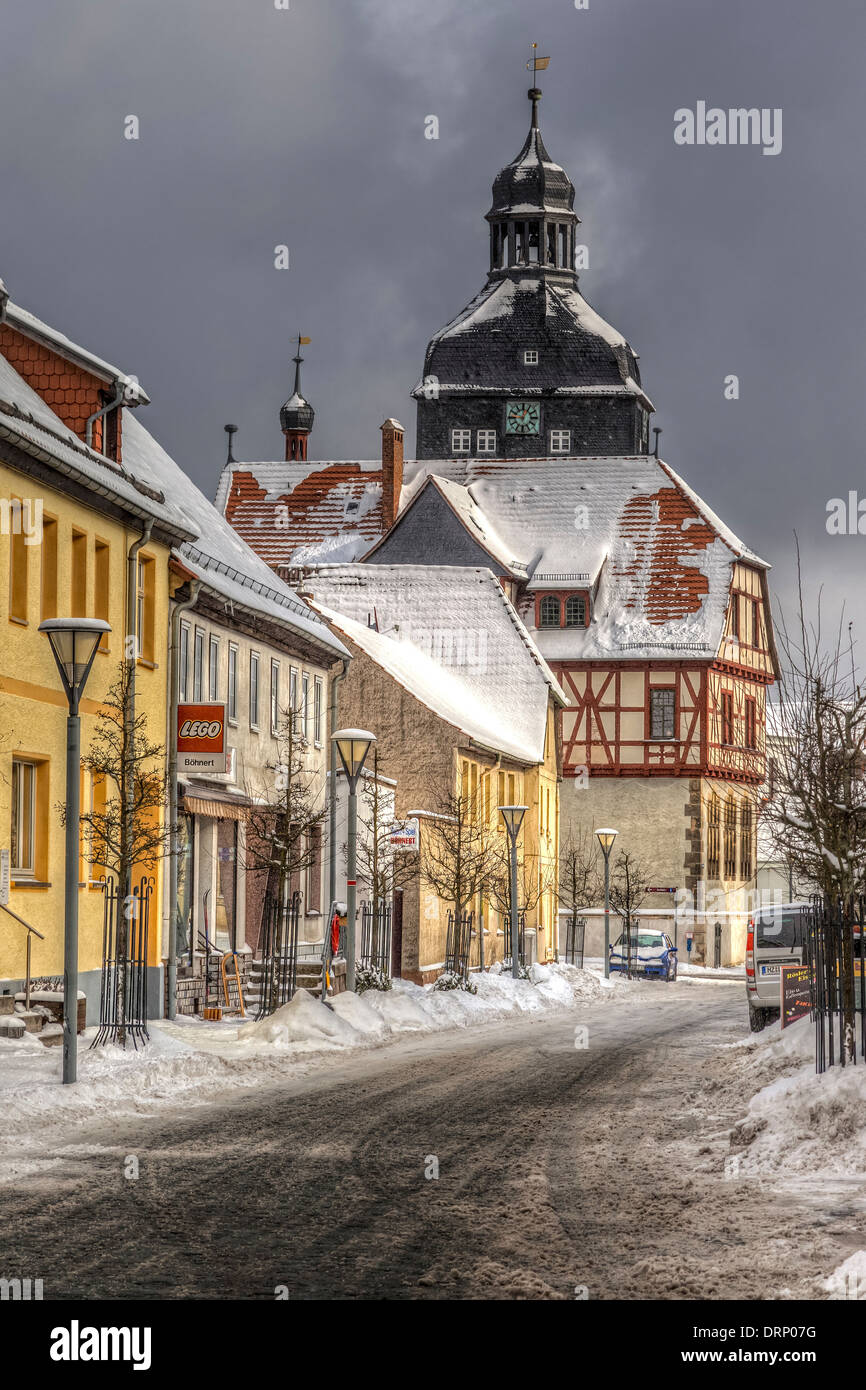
pixel 315 512
pixel 33 327
pixel 220 557
pixel 451 638
pixel 658 559
pixel 28 422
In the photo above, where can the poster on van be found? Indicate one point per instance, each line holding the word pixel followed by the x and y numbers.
pixel 201 738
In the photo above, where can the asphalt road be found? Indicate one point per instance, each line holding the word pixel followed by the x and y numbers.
pixel 561 1169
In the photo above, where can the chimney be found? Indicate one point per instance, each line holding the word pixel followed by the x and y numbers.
pixel 392 469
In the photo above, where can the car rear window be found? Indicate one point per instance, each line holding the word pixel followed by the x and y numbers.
pixel 784 930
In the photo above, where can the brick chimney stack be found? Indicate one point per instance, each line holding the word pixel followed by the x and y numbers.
pixel 392 469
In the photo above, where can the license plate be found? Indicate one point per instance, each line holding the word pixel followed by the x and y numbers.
pixel 764 970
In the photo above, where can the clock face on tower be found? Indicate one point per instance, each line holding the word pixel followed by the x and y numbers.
pixel 522 417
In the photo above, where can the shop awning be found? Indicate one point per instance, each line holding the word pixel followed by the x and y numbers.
pixel 216 807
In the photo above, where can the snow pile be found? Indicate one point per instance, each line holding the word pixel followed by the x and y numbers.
pixel 848 1280
pixel 801 1122
pixel 305 1023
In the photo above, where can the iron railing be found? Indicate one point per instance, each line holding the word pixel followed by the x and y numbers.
pixel 458 943
pixel 376 937
pixel 575 935
pixel 832 940
pixel 124 972
pixel 279 951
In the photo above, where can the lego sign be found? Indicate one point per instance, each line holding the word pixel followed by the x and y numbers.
pixel 201 733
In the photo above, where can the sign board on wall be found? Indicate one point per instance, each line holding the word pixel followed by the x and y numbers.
pixel 796 993
pixel 404 836
pixel 4 877
pixel 201 733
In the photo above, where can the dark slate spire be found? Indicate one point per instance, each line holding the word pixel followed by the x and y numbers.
pixel 297 415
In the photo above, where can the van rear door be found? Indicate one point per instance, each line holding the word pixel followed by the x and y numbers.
pixel 779 937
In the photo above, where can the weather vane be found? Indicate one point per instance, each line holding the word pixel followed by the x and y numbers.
pixel 537 65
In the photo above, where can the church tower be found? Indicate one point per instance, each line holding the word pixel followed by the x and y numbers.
pixel 528 368
pixel 297 416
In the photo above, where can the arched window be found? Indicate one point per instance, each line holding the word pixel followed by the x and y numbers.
pixel 575 611
pixel 549 614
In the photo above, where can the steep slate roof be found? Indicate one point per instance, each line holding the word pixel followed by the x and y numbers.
pixel 657 558
pixel 304 513
pixel 480 351
pixel 450 636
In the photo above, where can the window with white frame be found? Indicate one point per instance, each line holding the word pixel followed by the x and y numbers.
pixel 254 690
pixel 306 710
pixel 293 699
pixel 23 857
pixel 198 662
pixel 275 696
pixel 213 668
pixel 232 697
pixel 461 441
pixel 318 708
pixel 486 441
pixel 530 357
pixel 560 441
pixel 183 671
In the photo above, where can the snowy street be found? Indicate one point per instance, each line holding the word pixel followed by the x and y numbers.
pixel 561 1168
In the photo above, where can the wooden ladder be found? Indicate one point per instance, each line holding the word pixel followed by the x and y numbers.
pixel 227 962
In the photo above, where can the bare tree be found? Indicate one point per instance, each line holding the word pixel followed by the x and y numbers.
pixel 282 826
pixel 629 877
pixel 124 829
pixel 458 851
pixel 378 864
pixel 534 879
pixel 815 816
pixel 579 884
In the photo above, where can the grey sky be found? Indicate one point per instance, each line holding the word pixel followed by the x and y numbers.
pixel 306 127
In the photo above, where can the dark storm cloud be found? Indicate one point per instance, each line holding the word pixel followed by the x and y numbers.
pixel 306 127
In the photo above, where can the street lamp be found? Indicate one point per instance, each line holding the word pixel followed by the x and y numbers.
pixel 74 643
pixel 513 817
pixel 606 838
pixel 353 745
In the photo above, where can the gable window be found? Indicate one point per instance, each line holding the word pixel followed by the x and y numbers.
pixel 560 441
pixel 254 690
pixel 727 718
pixel 575 611
pixel 461 441
pixel 213 668
pixel 197 664
pixel 233 683
pixel 530 357
pixel 662 712
pixel 549 611
pixel 486 441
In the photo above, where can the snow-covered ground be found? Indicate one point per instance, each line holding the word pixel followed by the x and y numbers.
pixel 194 1062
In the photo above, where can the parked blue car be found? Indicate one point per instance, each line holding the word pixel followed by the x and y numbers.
pixel 653 954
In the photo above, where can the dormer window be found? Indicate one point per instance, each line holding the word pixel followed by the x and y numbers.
pixel 575 611
pixel 461 441
pixel 487 441
pixel 530 357
pixel 560 441
pixel 549 611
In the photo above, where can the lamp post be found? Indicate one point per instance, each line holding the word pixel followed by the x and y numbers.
pixel 606 838
pixel 513 817
pixel 353 745
pixel 74 643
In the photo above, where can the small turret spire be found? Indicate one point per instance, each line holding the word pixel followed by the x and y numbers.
pixel 297 415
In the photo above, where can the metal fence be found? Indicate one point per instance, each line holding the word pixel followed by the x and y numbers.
pixel 833 948
pixel 575 933
pixel 376 937
pixel 458 943
pixel 279 951
pixel 521 940
pixel 123 983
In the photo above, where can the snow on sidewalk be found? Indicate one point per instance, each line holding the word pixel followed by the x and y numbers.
pixel 194 1062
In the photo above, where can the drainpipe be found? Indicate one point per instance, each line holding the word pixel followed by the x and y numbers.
pixel 130 654
pixel 121 391
pixel 174 700
pixel 332 807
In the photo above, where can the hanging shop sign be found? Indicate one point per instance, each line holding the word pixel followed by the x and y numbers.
pixel 404 836
pixel 201 735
